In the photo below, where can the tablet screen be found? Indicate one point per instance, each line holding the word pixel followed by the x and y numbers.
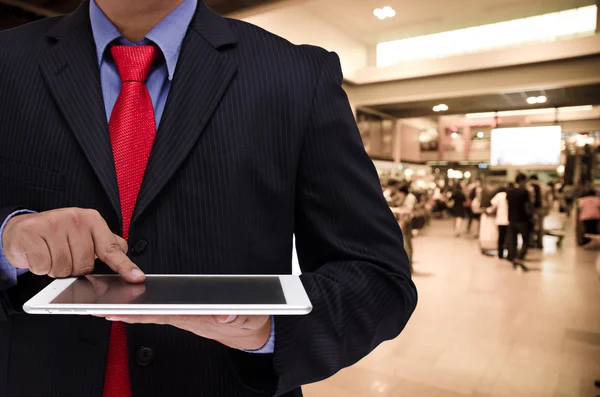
pixel 174 290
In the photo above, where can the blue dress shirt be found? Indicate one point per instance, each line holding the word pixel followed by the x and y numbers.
pixel 167 35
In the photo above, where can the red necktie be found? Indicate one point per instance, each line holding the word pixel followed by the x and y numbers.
pixel 132 130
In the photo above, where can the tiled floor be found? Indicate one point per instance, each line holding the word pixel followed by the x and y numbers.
pixel 483 329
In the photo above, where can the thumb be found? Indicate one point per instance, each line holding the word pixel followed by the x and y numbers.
pixel 225 319
pixel 111 250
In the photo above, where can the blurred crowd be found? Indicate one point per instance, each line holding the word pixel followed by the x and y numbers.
pixel 508 218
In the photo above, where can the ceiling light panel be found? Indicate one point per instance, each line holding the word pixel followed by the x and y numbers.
pixel 548 27
pixel 529 112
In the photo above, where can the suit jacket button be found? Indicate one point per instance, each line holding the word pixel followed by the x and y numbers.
pixel 144 356
pixel 139 246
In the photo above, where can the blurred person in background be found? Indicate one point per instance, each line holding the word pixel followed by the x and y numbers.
pixel 406 204
pixel 474 210
pixel 558 195
pixel 589 213
pixel 467 189
pixel 541 195
pixel 392 193
pixel 551 185
pixel 568 195
pixel 407 200
pixel 499 208
pixel 519 221
pixel 458 209
pixel 488 191
pixel 388 190
pixel 402 204
pixel 439 203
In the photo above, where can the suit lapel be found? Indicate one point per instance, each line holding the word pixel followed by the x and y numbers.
pixel 204 71
pixel 71 72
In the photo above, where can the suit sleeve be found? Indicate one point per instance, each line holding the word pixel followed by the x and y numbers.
pixel 5 304
pixel 350 248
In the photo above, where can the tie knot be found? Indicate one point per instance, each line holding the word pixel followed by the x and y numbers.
pixel 133 62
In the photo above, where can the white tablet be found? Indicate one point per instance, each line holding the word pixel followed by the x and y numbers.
pixel 173 294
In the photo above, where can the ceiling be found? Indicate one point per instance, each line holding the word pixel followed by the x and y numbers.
pixel 557 97
pixel 17 12
pixel 414 18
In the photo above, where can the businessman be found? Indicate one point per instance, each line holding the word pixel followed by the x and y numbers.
pixel 122 126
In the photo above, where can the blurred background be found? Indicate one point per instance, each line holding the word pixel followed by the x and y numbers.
pixel 453 100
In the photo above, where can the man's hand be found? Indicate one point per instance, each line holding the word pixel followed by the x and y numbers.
pixel 65 242
pixel 237 332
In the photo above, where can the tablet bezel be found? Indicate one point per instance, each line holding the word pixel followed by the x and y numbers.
pixel 297 302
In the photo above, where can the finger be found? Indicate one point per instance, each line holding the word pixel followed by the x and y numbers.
pixel 201 325
pixel 109 250
pixel 225 319
pixel 38 257
pixel 60 253
pixel 243 322
pixel 160 320
pixel 81 246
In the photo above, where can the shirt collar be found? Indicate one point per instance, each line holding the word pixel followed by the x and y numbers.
pixel 168 34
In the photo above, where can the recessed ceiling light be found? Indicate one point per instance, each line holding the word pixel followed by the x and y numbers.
pixel 480 134
pixel 385 12
pixel 389 11
pixel 454 135
pixel 442 107
pixel 532 100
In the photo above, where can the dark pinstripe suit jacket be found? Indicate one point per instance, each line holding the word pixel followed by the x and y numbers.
pixel 257 142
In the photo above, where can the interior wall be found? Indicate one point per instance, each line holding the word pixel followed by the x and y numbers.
pixel 580 125
pixel 410 149
pixel 562 73
pixel 371 56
